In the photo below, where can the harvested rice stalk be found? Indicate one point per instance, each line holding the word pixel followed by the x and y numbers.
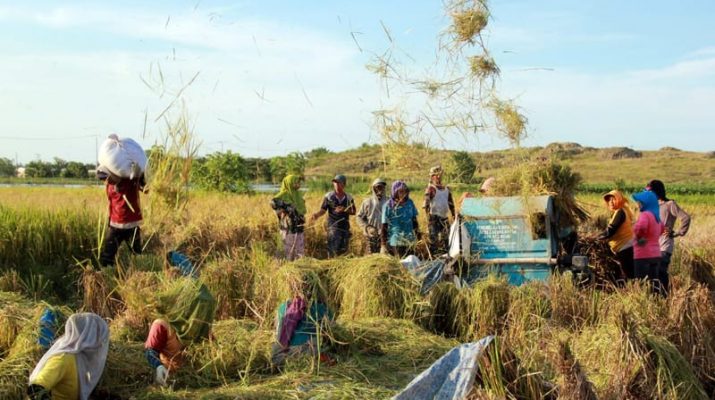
pixel 375 286
pixel 691 327
pixel 674 376
pixel 510 122
pixel 468 21
pixel 137 292
pixel 10 281
pixel 230 280
pixel 573 381
pixel 572 307
pixel 482 309
pixel 442 318
pixel 239 348
pixel 97 291
pixel 483 66
pixel 126 372
pixel 21 359
pixel 501 373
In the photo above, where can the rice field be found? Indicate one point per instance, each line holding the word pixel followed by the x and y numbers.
pixel 555 340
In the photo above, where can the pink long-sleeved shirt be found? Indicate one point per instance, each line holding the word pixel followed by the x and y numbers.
pixel 647 231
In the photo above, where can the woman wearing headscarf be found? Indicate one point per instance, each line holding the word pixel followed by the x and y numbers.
pixel 71 368
pixel 290 209
pixel 619 232
pixel 400 230
pixel 670 213
pixel 188 319
pixel 646 250
pixel 300 321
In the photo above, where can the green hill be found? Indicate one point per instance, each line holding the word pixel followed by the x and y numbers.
pixel 602 166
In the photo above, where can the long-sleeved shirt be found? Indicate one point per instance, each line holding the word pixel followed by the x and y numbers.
pixel 669 213
pixel 647 231
pixel 370 213
pixel 619 232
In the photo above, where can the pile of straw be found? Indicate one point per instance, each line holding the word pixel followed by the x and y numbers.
pixel 468 20
pixel 230 280
pixel 126 372
pixel 509 121
pixel 375 286
pixel 21 358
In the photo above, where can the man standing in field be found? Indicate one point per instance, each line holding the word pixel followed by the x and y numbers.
pixel 370 215
pixel 340 206
pixel 438 202
pixel 125 215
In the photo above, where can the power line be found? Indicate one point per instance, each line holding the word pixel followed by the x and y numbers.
pixel 46 138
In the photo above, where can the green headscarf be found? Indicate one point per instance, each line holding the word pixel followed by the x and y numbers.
pixel 191 310
pixel 292 196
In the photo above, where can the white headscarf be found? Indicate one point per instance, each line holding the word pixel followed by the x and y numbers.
pixel 87 337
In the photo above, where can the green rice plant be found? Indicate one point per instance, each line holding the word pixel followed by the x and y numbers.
pixel 674 376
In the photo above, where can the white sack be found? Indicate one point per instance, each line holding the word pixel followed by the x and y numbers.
pixel 122 157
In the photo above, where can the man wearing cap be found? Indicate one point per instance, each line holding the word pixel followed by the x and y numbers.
pixel 340 206
pixel 370 215
pixel 438 202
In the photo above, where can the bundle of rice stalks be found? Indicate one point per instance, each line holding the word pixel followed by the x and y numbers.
pixel 545 178
pixel 501 373
pixel 637 301
pixel 238 348
pixel 230 280
pixel 573 382
pixel 469 18
pixel 697 261
pixel 21 359
pixel 15 313
pixel 509 121
pixel 483 66
pixel 691 324
pixel 482 309
pixel 126 372
pixel 606 270
pixel 529 314
pixel 623 360
pixel 137 292
pixel 375 286
pixel 97 291
pixel 572 307
pixel 442 310
pixel 366 348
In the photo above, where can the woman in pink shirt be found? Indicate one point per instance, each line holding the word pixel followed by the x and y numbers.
pixel 646 251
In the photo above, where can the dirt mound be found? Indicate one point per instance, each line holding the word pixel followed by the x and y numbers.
pixel 619 153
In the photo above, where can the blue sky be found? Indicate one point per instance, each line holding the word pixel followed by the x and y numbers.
pixel 280 76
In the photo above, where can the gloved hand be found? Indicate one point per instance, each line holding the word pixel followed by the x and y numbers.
pixel 383 249
pixel 161 375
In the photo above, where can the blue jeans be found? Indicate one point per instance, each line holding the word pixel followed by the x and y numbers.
pixel 338 241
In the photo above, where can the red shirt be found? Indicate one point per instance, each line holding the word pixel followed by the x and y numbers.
pixel 124 208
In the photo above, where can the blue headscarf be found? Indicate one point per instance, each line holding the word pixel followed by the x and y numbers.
pixel 396 186
pixel 648 202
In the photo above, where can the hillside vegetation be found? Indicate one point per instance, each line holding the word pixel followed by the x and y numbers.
pixel 596 165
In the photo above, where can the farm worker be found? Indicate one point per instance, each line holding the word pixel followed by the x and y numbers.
pixel 619 232
pixel 125 214
pixel 646 250
pixel 71 368
pixel 290 209
pixel 340 206
pixel 187 318
pixel 670 212
pixel 438 203
pixel 400 230
pixel 370 215
pixel 299 323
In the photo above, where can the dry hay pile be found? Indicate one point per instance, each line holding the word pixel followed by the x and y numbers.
pixel 509 121
pixel 483 66
pixel 469 18
pixel 230 279
pixel 374 286
pixel 126 372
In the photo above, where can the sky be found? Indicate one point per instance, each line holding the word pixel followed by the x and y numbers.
pixel 264 78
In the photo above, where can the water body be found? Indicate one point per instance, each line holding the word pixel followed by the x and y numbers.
pixel 256 187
